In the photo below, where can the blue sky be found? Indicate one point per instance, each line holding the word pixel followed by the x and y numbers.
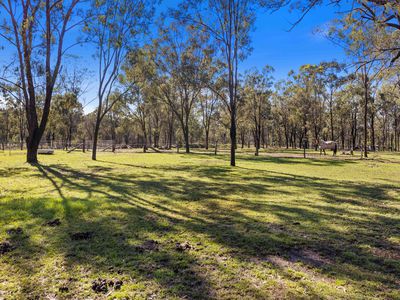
pixel 272 45
pixel 285 50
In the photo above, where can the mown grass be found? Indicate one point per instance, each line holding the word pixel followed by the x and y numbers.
pixel 271 228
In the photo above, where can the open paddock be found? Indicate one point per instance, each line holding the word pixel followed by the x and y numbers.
pixel 188 226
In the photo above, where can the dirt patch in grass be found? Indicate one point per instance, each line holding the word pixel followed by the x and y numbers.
pixel 149 245
pixel 183 246
pixel 63 289
pixel 386 253
pixel 291 263
pixel 103 285
pixel 6 247
pixel 309 257
pixel 53 223
pixel 15 231
pixel 81 236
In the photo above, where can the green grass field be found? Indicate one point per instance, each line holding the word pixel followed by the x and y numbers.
pixel 176 226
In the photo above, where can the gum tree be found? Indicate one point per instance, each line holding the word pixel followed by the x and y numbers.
pixel 115 28
pixel 36 30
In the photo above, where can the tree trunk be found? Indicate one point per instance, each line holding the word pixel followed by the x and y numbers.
pixel 366 116
pixel 32 148
pixel 232 133
pixel 257 137
pixel 186 136
pixel 395 133
pixel 207 138
pixel 257 146
pixel 373 131
pixel 170 135
pixel 21 135
pixel 242 138
pixel 95 138
pixel 144 137
pixel 113 137
pixel 331 115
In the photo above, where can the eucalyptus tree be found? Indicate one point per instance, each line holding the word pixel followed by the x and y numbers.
pixel 115 28
pixel 378 22
pixel 140 77
pixel 385 104
pixel 4 122
pixel 382 16
pixel 353 93
pixel 368 68
pixel 65 117
pixel 333 80
pixel 153 115
pixel 114 117
pixel 388 104
pixel 184 68
pixel 13 107
pixel 229 22
pixel 67 111
pixel 257 93
pixel 37 30
pixel 208 108
pixel 306 91
pixel 140 113
pixel 281 109
pixel 342 111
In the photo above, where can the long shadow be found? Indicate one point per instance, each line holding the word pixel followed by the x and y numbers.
pixel 159 207
pixel 126 189
pixel 263 158
pixel 9 172
pixel 116 245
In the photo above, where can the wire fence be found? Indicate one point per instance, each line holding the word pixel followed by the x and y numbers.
pixel 16 147
pixel 104 145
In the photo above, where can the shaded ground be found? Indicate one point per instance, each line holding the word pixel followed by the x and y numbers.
pixel 180 226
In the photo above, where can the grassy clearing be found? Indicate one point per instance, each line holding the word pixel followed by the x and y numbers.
pixel 181 226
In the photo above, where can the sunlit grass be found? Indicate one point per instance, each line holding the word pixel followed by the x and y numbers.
pixel 276 226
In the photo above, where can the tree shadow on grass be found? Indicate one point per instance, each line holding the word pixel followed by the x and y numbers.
pixel 140 208
pixel 311 160
pixel 115 250
pixel 9 172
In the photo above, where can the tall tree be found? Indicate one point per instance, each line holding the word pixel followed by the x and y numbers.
pixel 185 64
pixel 229 22
pixel 140 78
pixel 115 29
pixel 37 30
pixel 65 117
pixel 208 108
pixel 333 81
pixel 257 91
pixel 357 43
